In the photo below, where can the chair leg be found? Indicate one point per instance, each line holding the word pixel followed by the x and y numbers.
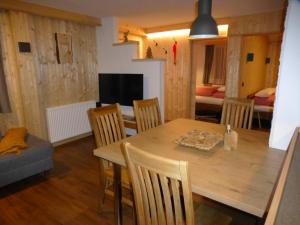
pixel 259 121
pixel 134 215
pixel 102 185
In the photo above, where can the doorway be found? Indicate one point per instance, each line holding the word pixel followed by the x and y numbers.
pixel 209 69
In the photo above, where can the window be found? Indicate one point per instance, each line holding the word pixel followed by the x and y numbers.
pixel 215 64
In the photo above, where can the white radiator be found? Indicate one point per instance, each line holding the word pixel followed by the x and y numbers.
pixel 68 120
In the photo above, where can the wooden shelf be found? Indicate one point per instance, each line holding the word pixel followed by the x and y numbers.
pixel 153 59
pixel 127 43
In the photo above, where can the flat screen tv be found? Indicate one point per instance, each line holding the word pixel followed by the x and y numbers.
pixel 121 88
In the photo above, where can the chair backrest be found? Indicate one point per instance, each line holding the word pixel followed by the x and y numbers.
pixel 147 114
pixel 158 184
pixel 238 112
pixel 107 124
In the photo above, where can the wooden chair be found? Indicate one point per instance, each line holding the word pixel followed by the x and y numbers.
pixel 108 127
pixel 162 191
pixel 147 114
pixel 284 208
pixel 238 112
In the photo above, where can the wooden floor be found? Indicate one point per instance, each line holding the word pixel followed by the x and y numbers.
pixel 68 194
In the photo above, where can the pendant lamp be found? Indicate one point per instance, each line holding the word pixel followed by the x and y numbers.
pixel 204 25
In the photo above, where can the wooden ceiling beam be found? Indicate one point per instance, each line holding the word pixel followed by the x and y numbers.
pixel 180 26
pixel 46 11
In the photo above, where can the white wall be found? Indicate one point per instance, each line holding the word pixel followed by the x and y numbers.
pixel 119 59
pixel 287 105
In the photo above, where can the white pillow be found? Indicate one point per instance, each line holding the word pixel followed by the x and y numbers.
pixel 265 92
pixel 221 89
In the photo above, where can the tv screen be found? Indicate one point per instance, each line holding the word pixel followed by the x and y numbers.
pixel 121 88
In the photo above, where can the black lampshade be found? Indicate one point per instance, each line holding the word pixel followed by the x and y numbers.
pixel 204 25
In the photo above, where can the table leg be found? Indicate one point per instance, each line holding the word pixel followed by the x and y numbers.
pixel 118 194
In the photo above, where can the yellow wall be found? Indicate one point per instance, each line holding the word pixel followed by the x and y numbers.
pixel 273 67
pixel 253 73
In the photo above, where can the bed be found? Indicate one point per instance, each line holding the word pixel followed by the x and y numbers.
pixel 209 101
pixel 264 104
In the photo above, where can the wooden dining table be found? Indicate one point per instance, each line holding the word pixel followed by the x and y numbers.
pixel 243 178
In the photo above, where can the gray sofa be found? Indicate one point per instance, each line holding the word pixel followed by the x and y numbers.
pixel 37 158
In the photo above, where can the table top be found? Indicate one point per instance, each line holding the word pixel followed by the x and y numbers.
pixel 243 178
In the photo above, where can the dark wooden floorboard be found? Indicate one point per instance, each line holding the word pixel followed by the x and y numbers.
pixel 67 195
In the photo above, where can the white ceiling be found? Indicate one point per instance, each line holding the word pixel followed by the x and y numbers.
pixel 151 13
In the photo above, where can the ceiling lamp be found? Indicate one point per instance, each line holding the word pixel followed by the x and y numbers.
pixel 204 25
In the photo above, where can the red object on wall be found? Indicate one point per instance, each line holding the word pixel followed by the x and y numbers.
pixel 174 51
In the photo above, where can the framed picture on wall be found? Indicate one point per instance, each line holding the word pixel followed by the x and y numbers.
pixel 64 52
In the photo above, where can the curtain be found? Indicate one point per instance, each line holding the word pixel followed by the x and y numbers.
pixel 4 100
pixel 218 71
pixel 209 55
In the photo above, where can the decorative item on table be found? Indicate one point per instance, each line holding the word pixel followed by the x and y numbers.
pixel 149 53
pixel 202 140
pixel 230 139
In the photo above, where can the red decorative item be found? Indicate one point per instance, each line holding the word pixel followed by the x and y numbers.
pixel 175 51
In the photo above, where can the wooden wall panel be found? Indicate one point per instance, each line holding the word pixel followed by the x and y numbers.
pixel 75 82
pixel 177 77
pixel 23 30
pixel 257 24
pixel 41 10
pixel 16 118
pixel 253 74
pixel 232 70
pixel 42 81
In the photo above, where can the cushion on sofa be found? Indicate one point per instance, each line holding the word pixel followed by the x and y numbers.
pixel 37 150
pixel 13 141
